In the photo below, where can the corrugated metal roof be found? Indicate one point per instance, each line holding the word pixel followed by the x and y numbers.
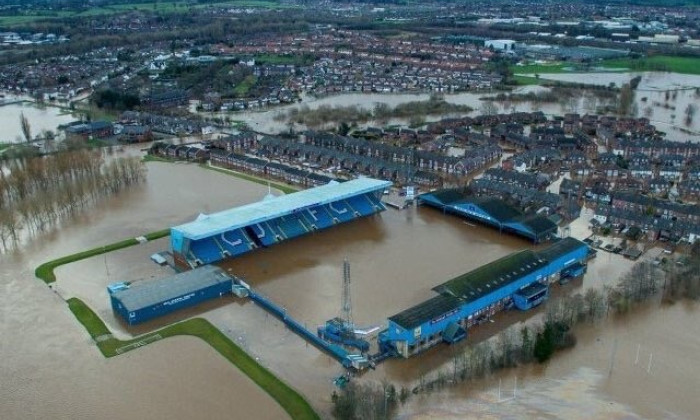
pixel 492 276
pixel 216 223
pixel 146 293
pixel 426 311
pixel 560 248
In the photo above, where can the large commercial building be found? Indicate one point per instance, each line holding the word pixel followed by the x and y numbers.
pixel 520 279
pixel 233 232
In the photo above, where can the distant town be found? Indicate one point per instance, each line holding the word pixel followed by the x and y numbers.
pixel 472 159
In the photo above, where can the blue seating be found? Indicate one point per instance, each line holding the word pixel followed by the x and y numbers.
pixel 265 234
pixel 376 201
pixel 236 242
pixel 362 205
pixel 308 219
pixel 206 250
pixel 319 216
pixel 340 211
pixel 291 226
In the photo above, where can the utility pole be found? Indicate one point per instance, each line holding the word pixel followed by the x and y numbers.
pixel 347 301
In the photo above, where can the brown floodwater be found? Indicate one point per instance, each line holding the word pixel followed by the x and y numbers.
pixel 50 367
pixel 668 116
pixel 643 366
pixel 396 258
pixel 40 119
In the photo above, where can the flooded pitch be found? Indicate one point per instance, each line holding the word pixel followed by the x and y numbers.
pixel 51 368
pixel 396 258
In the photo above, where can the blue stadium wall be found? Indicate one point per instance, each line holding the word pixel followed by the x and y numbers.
pixel 191 253
pixel 468 210
pixel 170 305
pixel 472 211
pixel 429 332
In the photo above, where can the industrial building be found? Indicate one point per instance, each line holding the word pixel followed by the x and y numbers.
pixel 214 237
pixel 491 211
pixel 520 279
pixel 142 301
pixel 500 44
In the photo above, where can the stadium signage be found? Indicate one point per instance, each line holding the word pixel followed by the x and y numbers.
pixel 471 211
pixel 443 316
pixel 178 299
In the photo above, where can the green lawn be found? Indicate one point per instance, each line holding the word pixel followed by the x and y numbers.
pixel 151 158
pixel 290 400
pixel 527 80
pixel 45 271
pixel 241 90
pixel 540 68
pixel 685 65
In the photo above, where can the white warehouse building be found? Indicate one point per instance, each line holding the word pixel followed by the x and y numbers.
pixel 500 44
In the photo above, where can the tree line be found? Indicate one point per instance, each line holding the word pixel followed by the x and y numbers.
pixel 382 113
pixel 37 192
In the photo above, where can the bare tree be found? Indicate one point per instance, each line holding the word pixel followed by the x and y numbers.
pixel 489 108
pixel 26 127
pixel 690 113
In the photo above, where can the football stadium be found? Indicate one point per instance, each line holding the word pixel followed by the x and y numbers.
pixel 212 238
pixel 519 280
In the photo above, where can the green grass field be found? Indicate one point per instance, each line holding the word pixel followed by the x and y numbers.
pixel 527 80
pixel 241 89
pixel 540 68
pixel 684 65
pixel 290 400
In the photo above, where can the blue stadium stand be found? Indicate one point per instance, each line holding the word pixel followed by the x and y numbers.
pixel 236 242
pixel 321 217
pixel 233 232
pixel 339 210
pixel 291 227
pixel 206 250
pixel 362 205
pixel 376 202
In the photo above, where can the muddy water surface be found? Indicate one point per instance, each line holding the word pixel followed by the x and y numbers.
pixel 50 367
pixel 396 258
pixel 645 366
pixel 40 118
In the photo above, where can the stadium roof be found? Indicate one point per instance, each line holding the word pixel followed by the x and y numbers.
pixel 147 293
pixel 250 214
pixel 496 208
pixel 492 276
pixel 425 311
pixel 561 247
pixel 504 214
pixel 537 223
pixel 448 196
